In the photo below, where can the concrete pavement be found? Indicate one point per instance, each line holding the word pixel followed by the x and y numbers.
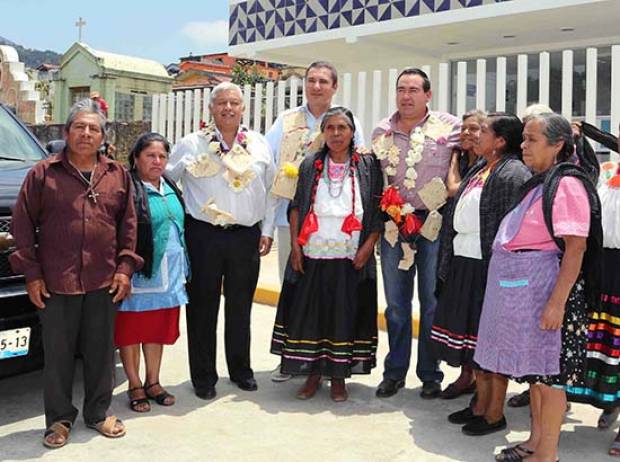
pixel 271 425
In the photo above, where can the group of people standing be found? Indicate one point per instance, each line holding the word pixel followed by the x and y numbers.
pixel 499 219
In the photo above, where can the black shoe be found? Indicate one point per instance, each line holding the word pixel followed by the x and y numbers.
pixel 480 427
pixel 430 390
pixel 206 393
pixel 247 384
pixel 462 417
pixel 389 387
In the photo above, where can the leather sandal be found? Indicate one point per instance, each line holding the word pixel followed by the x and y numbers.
pixel 107 426
pixel 514 454
pixel 61 428
pixel 135 403
pixel 161 398
pixel 614 449
pixel 309 388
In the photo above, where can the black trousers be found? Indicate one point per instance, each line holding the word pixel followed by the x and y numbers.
pixel 78 324
pixel 229 257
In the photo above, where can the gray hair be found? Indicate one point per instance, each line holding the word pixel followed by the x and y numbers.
pixel 557 129
pixel 477 113
pixel 87 106
pixel 225 86
pixel 534 110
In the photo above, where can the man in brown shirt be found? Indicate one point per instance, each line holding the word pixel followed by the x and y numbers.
pixel 75 230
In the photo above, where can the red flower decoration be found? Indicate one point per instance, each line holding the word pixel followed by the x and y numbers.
pixel 241 137
pixel 355 158
pixel 310 225
pixel 318 164
pixel 350 224
pixel 412 225
pixel 202 124
pixel 391 197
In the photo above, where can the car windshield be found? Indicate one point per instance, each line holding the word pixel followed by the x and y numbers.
pixel 15 141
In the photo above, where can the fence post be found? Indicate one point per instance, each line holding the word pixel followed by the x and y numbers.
pixel 544 69
pixel 187 126
pixel 196 117
pixel 567 84
pixel 281 96
pixel 258 106
pixel 500 90
pixel 268 106
pixel 521 84
pixel 461 88
pixel 170 118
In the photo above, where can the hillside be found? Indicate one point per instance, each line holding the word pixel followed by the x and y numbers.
pixel 33 58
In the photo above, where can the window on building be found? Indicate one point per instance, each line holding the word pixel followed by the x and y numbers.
pixel 147 108
pixel 124 107
pixel 78 93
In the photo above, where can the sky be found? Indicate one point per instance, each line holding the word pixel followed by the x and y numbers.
pixel 163 31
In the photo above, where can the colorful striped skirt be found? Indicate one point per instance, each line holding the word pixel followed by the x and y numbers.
pixel 601 383
pixel 327 321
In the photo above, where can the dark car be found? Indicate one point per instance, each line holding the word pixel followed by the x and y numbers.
pixel 20 331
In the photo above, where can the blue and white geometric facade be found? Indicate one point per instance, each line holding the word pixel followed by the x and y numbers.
pixel 259 20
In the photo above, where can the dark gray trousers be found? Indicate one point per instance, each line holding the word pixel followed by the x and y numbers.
pixel 78 324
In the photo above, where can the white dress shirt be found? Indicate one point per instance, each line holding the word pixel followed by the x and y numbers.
pixel 252 204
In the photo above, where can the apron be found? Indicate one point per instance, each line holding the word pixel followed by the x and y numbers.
pixel 519 284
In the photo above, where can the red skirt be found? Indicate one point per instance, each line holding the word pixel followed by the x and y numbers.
pixel 156 326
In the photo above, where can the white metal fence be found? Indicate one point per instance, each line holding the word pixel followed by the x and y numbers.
pixel 372 95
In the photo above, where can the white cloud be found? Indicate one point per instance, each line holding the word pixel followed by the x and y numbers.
pixel 207 34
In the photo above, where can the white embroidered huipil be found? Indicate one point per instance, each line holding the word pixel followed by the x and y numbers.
pixel 329 241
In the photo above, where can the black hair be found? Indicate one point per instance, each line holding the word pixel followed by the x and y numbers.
pixel 426 82
pixel 324 65
pixel 509 127
pixel 143 142
pixel 343 111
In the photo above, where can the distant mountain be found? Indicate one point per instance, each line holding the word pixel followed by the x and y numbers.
pixel 33 58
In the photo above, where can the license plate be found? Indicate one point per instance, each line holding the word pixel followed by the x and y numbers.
pixel 14 342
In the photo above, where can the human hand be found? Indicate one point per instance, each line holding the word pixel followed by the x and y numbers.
pixel 264 245
pixel 37 291
pixel 552 316
pixel 121 285
pixel 297 258
pixel 362 256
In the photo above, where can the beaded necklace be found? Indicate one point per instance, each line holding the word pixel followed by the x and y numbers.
pixel 311 223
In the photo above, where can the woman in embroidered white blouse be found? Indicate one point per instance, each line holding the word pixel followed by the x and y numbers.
pixel 326 321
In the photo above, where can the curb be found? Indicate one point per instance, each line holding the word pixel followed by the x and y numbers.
pixel 266 295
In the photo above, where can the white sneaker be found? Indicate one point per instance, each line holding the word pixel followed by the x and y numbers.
pixel 277 376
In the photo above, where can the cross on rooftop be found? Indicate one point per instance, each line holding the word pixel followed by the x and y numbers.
pixel 80 23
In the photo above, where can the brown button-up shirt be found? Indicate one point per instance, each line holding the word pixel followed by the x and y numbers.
pixel 74 236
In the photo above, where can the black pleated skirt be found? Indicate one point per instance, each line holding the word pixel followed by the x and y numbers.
pixel 457 316
pixel 327 321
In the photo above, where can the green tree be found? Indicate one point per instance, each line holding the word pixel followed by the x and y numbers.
pixel 243 74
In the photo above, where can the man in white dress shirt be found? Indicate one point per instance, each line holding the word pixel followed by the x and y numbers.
pixel 226 173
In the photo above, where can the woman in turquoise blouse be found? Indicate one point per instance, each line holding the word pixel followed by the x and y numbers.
pixel 149 318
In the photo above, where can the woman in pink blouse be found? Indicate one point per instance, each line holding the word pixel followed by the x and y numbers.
pixel 542 278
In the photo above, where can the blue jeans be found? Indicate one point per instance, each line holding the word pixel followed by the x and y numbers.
pixel 398 286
